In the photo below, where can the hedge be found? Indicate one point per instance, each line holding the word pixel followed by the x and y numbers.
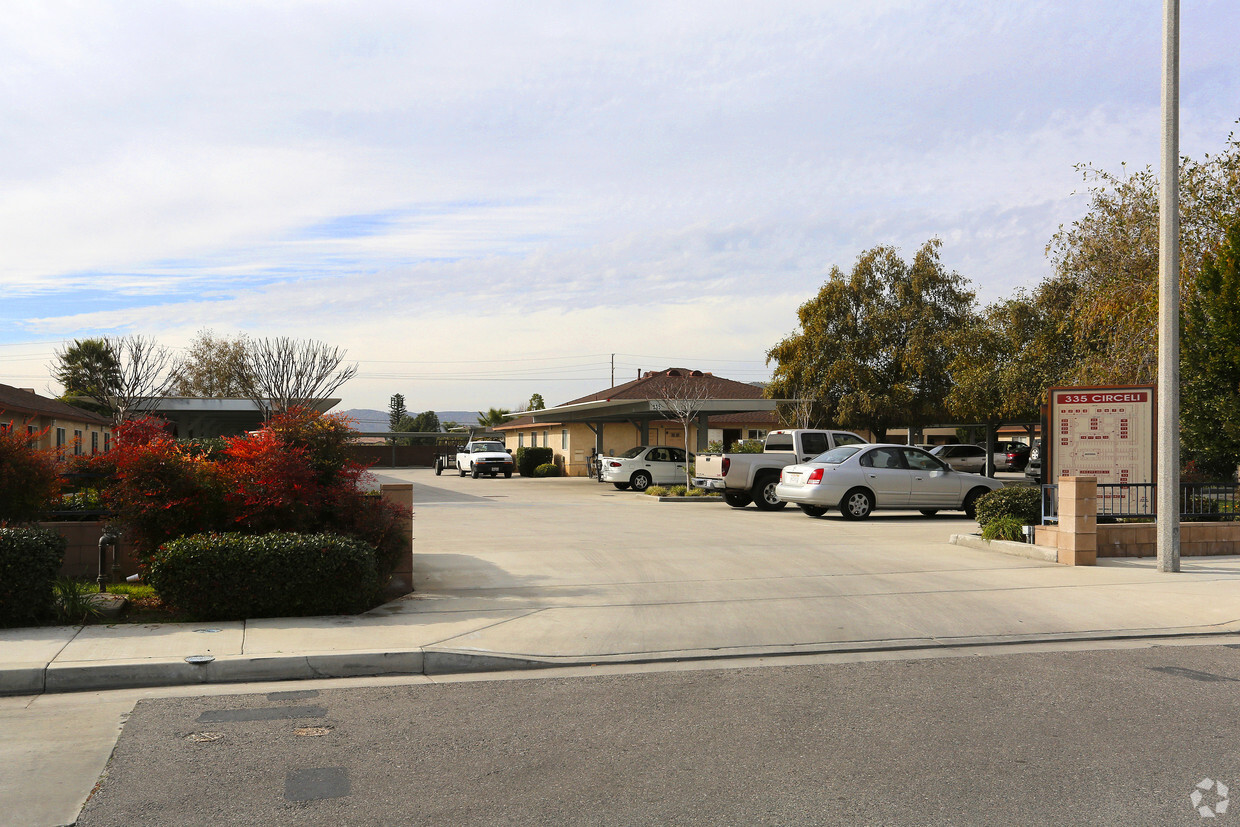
pixel 529 459
pixel 237 576
pixel 547 469
pixel 1023 503
pixel 30 559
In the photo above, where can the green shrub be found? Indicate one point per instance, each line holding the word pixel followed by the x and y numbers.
pixel 1006 527
pixel 547 469
pixel 30 559
pixel 72 604
pixel 656 491
pixel 237 576
pixel 528 459
pixel 1022 502
pixel 747 446
pixel 677 491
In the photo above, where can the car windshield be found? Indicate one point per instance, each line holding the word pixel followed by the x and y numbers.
pixel 837 455
pixel 485 447
pixel 633 452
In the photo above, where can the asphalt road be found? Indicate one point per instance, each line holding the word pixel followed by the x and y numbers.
pixel 1087 737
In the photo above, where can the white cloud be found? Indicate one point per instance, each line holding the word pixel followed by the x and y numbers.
pixel 361 173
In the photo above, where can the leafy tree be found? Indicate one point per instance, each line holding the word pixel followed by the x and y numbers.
pixel 396 411
pixel 536 403
pixel 1111 257
pixel 88 370
pixel 1010 354
pixel 214 367
pixel 874 345
pixel 426 421
pixel 493 416
pixel 1210 362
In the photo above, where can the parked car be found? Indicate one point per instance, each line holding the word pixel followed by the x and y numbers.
pixel 483 457
pixel 857 479
pixel 746 478
pixel 1033 468
pixel 1017 456
pixel 963 457
pixel 639 468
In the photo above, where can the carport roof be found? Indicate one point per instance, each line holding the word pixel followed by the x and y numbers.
pixel 643 399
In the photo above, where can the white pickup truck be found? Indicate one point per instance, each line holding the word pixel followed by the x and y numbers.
pixel 746 478
pixel 484 457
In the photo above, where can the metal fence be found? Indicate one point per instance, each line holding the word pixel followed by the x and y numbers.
pixel 1199 501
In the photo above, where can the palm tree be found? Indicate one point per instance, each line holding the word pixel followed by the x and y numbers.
pixel 493 417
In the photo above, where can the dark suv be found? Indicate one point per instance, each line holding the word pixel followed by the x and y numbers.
pixel 1033 468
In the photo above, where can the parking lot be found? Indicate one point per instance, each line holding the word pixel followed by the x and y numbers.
pixel 569 568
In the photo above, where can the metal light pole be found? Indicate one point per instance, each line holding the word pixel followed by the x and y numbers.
pixel 1169 299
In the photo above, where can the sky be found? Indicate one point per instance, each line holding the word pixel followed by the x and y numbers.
pixel 484 200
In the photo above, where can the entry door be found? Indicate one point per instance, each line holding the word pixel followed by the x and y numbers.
pixel 886 475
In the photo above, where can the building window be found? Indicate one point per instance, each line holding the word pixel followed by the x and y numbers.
pixel 564 439
pixel 107 442
pixel 546 439
pixel 77 443
pixel 60 437
pixel 94 442
pixel 520 440
pixel 533 439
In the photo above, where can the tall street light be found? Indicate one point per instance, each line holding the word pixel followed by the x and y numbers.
pixel 1169 299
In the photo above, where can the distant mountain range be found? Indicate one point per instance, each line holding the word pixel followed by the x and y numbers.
pixel 367 419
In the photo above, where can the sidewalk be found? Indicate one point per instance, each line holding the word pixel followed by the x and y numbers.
pixel 518 573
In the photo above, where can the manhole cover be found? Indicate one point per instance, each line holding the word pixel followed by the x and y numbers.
pixel 204 737
pixel 200 659
pixel 312 731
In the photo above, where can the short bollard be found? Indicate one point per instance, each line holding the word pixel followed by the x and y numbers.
pixel 104 541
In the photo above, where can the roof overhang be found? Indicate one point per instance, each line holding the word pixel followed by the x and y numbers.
pixel 624 410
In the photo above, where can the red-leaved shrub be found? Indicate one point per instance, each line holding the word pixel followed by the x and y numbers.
pixel 29 476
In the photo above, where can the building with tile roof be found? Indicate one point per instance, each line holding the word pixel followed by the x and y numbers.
pixel 58 424
pixel 610 421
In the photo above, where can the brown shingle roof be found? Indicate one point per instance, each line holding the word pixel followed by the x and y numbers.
pixel 657 384
pixel 16 400
pixel 664 383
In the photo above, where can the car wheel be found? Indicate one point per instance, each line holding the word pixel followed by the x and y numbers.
pixel 814 510
pixel 970 502
pixel 474 472
pixel 736 499
pixel 764 494
pixel 857 504
pixel 438 467
pixel 460 470
pixel 623 486
pixel 640 481
pixel 928 512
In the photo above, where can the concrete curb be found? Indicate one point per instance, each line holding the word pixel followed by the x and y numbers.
pixel 30 679
pixel 1043 553
pixel 682 499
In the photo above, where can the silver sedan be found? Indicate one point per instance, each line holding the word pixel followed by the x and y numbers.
pixel 857 479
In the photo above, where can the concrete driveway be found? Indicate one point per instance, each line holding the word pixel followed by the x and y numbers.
pixel 570 569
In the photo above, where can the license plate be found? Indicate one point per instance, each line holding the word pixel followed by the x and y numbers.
pixel 794 479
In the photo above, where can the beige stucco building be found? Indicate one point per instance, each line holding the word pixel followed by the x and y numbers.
pixel 62 426
pixel 613 420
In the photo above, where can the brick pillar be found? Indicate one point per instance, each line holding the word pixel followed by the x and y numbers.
pixel 402 577
pixel 1078 521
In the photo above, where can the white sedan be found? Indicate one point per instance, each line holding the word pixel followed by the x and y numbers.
pixel 639 468
pixel 857 479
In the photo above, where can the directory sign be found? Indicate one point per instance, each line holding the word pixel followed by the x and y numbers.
pixel 1107 433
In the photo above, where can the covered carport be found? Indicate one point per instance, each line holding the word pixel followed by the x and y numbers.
pixel 640 413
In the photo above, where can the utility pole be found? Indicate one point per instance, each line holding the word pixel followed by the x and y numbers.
pixel 1169 299
pixel 613 370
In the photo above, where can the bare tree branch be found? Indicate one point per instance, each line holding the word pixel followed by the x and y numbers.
pixel 284 373
pixel 682 397
pixel 145 373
